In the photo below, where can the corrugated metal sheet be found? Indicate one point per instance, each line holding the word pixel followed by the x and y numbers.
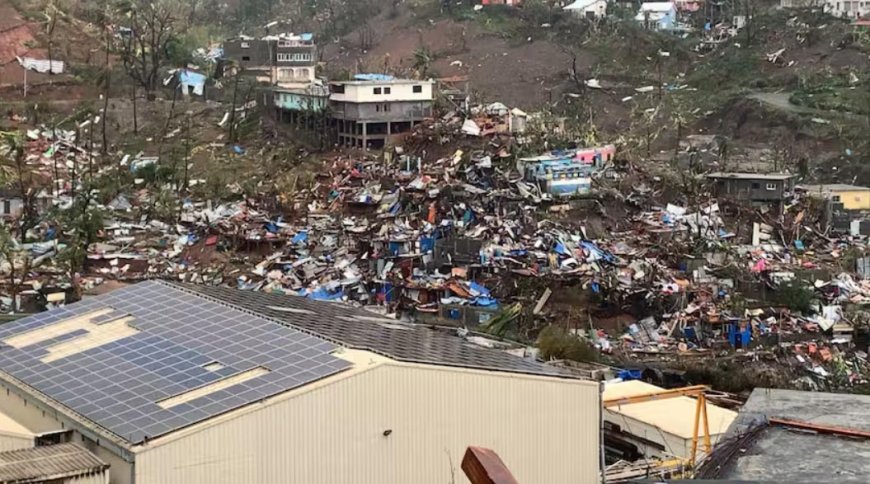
pixel 393 424
pixel 50 462
pixel 41 65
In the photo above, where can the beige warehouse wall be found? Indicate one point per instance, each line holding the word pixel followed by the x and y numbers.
pixel 27 413
pixel 15 442
pixel 546 430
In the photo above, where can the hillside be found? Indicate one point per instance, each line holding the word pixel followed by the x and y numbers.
pixel 528 58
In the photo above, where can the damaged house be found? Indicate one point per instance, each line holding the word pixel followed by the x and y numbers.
pixel 368 110
pixel 760 190
pixel 287 61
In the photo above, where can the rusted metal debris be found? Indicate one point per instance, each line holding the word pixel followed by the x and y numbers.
pixel 484 466
pixel 822 429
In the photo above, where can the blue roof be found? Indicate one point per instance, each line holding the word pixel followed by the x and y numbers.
pixel 190 78
pixel 177 336
pixel 373 77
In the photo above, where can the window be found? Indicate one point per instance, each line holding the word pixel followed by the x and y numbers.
pixel 771 187
pixel 7 207
pixel 285 74
pixel 835 198
pixel 386 108
pixel 756 185
pixel 386 90
pixel 246 58
pixel 287 57
pixel 417 89
pixel 377 108
pixel 376 90
pixel 338 88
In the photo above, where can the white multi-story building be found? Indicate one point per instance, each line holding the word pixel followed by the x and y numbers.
pixel 370 109
pixel 838 8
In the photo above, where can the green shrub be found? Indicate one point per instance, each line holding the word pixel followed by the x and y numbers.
pixel 555 342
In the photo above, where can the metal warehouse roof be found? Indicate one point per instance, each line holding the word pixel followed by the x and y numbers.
pixel 48 463
pixel 151 358
pixel 673 416
pixel 360 329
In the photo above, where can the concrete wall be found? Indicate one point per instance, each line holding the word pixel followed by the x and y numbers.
pixel 756 190
pixel 853 199
pixel 14 209
pixel 364 92
pixel 299 102
pixel 391 424
pixel 254 55
pixel 382 112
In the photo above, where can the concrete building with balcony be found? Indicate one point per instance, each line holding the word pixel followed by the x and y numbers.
pixel 287 61
pixel 370 109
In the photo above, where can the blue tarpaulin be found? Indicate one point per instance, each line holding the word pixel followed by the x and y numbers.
pixel 324 295
pixel 427 244
pixel 626 375
pixel 300 237
pixel 478 289
pixel 190 78
pixel 485 302
pixel 272 227
pixel 373 77
pixel 396 248
pixel 598 252
pixel 561 249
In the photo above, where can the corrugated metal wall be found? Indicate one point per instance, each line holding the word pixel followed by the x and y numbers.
pixel 15 442
pixel 546 430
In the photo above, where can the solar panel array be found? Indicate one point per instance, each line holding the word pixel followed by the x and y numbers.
pixel 118 385
pixel 360 329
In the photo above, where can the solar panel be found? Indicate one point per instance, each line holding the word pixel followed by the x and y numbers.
pixel 364 330
pixel 118 384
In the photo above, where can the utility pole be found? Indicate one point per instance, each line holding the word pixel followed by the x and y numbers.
pixel 233 108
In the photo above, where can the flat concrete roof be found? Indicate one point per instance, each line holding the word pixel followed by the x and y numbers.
pixel 835 187
pixel 751 176
pixel 783 455
pixel 381 82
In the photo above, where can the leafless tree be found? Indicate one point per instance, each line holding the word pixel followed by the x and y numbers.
pixel 144 47
pixel 51 15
